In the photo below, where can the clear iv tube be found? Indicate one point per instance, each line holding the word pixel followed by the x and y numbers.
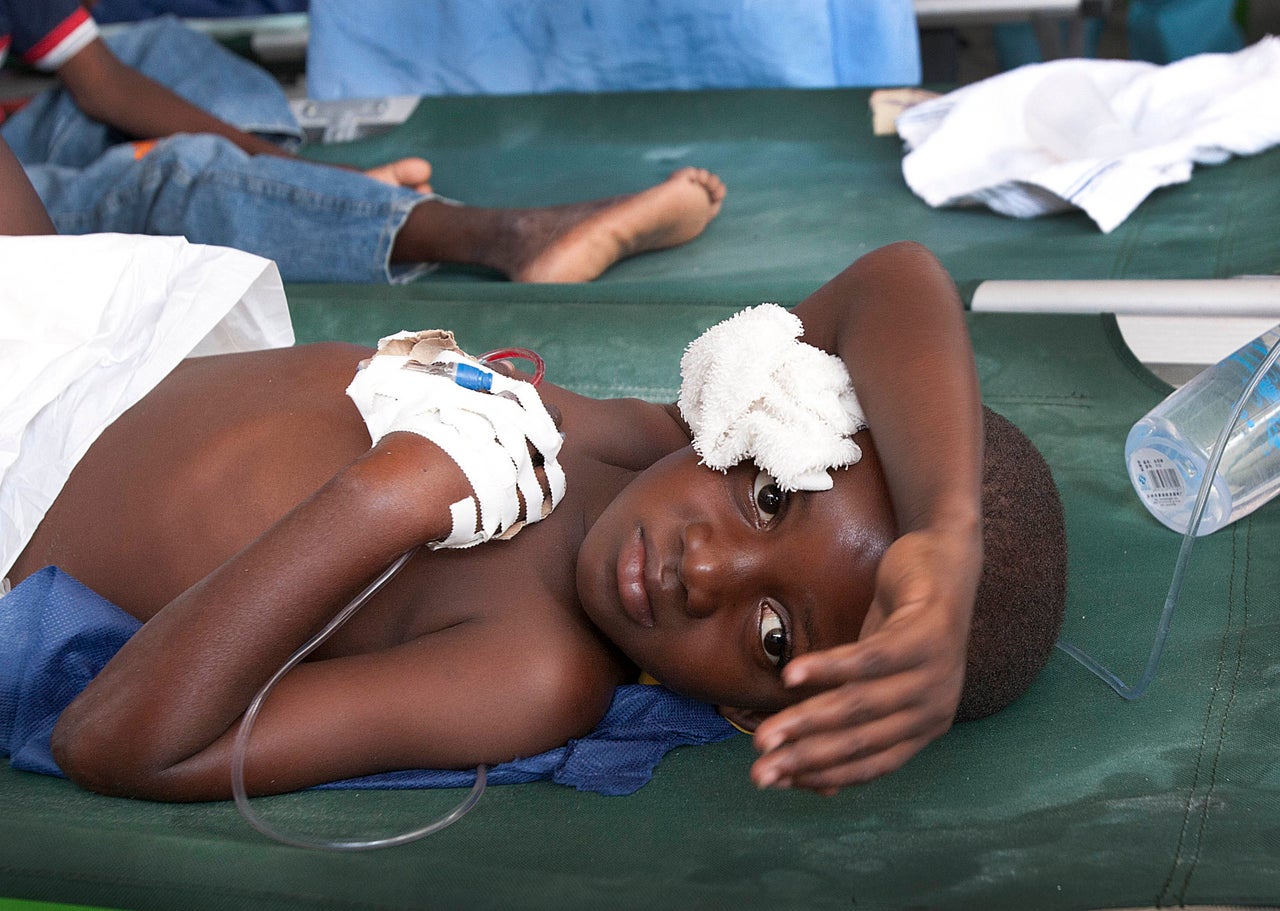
pixel 241 745
pixel 1184 552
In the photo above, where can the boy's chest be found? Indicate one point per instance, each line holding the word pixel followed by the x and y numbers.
pixel 502 584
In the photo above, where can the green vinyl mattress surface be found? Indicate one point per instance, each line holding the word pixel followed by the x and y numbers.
pixel 1071 798
pixel 809 188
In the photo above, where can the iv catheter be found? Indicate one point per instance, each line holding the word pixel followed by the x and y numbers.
pixel 1133 691
pixel 241 745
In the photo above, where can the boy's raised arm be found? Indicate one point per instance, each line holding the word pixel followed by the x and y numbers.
pixel 896 320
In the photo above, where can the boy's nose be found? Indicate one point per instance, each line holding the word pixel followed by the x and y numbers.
pixel 714 570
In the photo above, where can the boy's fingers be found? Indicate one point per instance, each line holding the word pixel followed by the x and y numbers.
pixel 860 771
pixel 812 756
pixel 867 659
pixel 837 709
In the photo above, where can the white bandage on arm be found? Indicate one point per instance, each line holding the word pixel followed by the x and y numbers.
pixel 487 434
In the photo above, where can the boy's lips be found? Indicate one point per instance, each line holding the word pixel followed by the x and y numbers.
pixel 632 593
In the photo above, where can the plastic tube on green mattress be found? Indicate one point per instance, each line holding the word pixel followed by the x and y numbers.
pixel 241 746
pixel 1133 691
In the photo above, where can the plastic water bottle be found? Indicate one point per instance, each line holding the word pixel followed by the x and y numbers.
pixel 1168 450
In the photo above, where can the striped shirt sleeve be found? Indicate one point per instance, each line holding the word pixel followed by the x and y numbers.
pixel 48 33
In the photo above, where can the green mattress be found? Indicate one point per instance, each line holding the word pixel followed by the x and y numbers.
pixel 809 189
pixel 1069 799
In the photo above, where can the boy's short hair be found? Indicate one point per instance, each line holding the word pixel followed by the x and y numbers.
pixel 1023 590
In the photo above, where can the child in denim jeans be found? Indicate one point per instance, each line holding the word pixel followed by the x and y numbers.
pixel 159 130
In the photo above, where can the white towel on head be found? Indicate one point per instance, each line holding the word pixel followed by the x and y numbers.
pixel 750 389
pixel 1099 135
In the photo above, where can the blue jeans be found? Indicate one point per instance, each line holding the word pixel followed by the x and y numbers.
pixel 319 223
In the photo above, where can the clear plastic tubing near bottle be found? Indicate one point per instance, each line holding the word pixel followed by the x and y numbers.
pixel 1168 450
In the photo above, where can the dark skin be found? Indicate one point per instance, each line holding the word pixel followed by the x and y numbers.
pixel 23 213
pixel 246 507
pixel 574 242
pixel 206 557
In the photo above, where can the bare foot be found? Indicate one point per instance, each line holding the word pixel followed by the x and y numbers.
pixel 407 172
pixel 577 242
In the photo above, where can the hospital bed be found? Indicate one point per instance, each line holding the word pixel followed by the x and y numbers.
pixel 1070 799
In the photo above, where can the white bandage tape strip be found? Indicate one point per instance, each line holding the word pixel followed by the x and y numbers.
pixel 486 434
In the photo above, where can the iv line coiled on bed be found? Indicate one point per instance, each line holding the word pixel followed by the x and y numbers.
pixel 241 746
pixel 1133 691
pixel 246 725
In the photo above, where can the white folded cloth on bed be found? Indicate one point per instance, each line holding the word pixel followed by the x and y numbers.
pixel 1099 135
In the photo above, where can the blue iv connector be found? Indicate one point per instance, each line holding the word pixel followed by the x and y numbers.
pixel 468 376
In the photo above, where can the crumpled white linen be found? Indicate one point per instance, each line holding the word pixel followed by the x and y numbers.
pixel 1099 135
pixel 750 389
pixel 88 326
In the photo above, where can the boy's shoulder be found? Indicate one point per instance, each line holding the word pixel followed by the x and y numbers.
pixel 629 433
pixel 522 679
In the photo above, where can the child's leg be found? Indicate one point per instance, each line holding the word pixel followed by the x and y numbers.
pixel 325 224
pixel 566 243
pixel 318 223
pixel 21 212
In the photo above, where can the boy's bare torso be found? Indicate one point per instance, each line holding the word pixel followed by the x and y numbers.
pixel 225 446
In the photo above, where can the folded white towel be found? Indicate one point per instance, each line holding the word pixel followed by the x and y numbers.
pixel 750 389
pixel 1100 135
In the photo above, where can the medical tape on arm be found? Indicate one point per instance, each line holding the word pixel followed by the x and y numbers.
pixel 487 434
pixel 545 438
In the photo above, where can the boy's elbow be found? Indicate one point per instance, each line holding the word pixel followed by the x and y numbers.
pixel 82 760
pixel 104 762
pixel 905 254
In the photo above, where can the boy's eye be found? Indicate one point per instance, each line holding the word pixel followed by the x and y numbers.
pixel 767 497
pixel 773 636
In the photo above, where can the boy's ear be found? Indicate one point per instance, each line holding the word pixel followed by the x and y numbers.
pixel 745 720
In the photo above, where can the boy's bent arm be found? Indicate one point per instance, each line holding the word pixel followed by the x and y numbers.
pixel 112 92
pixel 896 320
pixel 158 720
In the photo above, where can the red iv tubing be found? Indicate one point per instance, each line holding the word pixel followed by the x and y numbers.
pixel 241 746
pixel 526 354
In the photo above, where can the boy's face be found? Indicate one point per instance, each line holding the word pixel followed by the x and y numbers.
pixel 712 581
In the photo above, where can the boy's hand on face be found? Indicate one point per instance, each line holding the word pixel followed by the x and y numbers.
pixel 889 694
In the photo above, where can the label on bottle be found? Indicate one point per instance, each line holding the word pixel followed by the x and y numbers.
pixel 1157 479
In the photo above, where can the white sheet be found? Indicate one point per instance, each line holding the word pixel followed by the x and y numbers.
pixel 89 325
pixel 1100 135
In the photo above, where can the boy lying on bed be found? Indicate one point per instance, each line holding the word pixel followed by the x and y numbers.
pixel 215 183
pixel 246 507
